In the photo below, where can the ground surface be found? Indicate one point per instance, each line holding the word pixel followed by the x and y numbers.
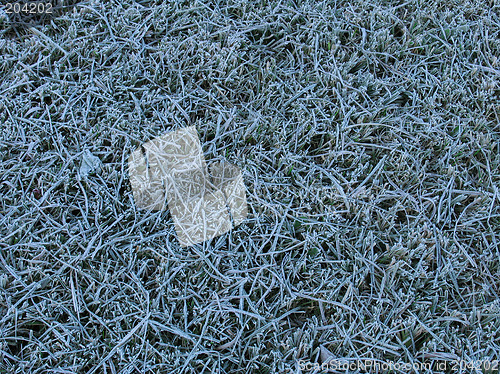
pixel 368 136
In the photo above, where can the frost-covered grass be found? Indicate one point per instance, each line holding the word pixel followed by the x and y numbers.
pixel 368 136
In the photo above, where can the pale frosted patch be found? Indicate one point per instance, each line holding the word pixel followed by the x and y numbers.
pixel 173 168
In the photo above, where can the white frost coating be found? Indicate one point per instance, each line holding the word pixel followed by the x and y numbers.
pixel 90 163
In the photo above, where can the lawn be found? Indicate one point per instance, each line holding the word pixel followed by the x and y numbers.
pixel 368 137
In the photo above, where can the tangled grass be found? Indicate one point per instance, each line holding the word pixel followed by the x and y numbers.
pixel 369 140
